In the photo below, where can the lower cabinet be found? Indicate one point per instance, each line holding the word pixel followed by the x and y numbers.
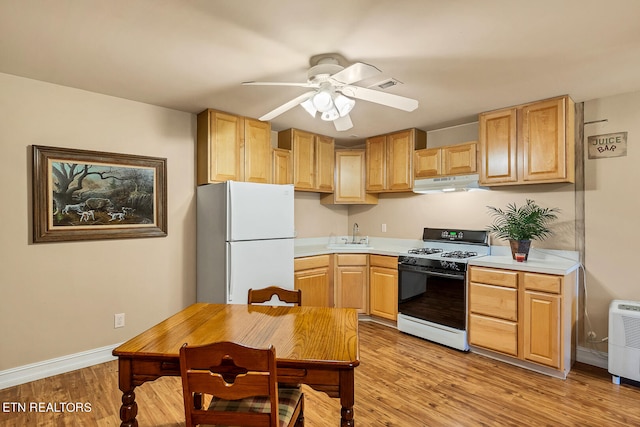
pixel 314 277
pixel 528 316
pixel 352 282
pixel 383 286
pixel 368 283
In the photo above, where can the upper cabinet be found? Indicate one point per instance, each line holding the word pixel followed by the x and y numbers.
pixel 349 180
pixel 282 166
pixel 313 162
pixel 459 159
pixel 389 160
pixel 528 144
pixel 231 147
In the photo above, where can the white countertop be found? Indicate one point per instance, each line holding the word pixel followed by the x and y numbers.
pixel 540 260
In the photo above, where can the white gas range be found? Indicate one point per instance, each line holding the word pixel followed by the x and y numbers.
pixel 432 301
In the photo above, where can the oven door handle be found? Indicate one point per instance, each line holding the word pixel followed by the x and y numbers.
pixel 431 272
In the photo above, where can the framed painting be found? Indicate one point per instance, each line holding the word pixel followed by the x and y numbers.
pixel 91 195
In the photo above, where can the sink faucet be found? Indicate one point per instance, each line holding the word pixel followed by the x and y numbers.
pixel 355 231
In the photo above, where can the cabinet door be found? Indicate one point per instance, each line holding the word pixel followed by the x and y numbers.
pixel 542 328
pixel 383 292
pixel 400 161
pixel 314 284
pixel 303 160
pixel 498 143
pixel 351 288
pixel 428 162
pixel 376 159
pixel 460 159
pixel 257 151
pixel 282 169
pixel 324 163
pixel 219 138
pixel 543 139
pixel 350 166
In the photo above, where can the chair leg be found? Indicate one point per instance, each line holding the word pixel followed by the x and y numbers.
pixel 300 422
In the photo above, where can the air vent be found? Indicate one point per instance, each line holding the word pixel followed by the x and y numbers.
pixel 385 84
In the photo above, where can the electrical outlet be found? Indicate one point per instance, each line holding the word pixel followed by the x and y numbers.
pixel 384 228
pixel 592 335
pixel 118 320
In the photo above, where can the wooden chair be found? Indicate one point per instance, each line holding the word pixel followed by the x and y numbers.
pixel 285 295
pixel 242 383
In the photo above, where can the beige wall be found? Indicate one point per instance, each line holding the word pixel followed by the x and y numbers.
pixel 406 214
pixel 315 220
pixel 612 231
pixel 58 299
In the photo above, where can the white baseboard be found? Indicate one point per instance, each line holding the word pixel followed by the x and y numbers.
pixel 59 365
pixel 592 357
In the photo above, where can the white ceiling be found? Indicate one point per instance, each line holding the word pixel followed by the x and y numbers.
pixel 456 57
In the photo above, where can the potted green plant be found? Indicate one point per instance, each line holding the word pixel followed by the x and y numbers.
pixel 520 225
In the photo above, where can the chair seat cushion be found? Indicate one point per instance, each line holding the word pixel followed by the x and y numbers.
pixel 287 400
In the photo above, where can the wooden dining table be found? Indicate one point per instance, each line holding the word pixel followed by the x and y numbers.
pixel 317 346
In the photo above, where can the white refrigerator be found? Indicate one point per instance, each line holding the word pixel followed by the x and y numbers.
pixel 245 236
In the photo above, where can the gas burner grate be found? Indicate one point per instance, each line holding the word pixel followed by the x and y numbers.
pixel 424 251
pixel 459 254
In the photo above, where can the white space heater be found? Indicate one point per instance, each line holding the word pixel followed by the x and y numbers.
pixel 624 340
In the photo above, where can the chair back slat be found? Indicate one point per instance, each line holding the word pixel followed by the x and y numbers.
pixel 290 296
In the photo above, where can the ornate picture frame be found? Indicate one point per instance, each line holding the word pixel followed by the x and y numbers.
pixel 93 195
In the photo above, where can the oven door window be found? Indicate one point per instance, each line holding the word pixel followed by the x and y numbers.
pixel 429 297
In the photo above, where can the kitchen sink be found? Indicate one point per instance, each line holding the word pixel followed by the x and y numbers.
pixel 348 244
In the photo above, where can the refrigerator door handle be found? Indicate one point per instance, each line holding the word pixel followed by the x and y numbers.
pixel 228 275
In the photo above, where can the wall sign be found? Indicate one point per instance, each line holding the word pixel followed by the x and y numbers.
pixel 608 145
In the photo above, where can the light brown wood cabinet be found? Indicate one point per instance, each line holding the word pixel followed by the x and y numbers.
pixel 383 286
pixel 528 144
pixel 282 166
pixel 528 316
pixel 459 159
pixel 351 282
pixel 314 277
pixel 349 180
pixel 313 159
pixel 389 160
pixel 231 147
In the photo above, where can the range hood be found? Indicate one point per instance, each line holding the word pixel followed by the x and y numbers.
pixel 445 184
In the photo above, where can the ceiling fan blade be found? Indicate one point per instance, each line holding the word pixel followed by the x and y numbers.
pixel 307 84
pixel 354 73
pixel 287 106
pixel 343 123
pixel 388 99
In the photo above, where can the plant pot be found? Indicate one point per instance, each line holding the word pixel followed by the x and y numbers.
pixel 520 247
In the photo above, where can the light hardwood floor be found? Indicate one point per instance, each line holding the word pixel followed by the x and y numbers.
pixel 402 381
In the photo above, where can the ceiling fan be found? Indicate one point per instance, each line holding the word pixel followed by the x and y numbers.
pixel 333 92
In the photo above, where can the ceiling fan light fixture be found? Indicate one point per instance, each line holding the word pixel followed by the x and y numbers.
pixel 343 104
pixel 330 115
pixel 322 101
pixel 309 107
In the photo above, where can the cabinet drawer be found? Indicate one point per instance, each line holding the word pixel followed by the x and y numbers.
pixel 494 301
pixel 543 283
pixel 310 262
pixel 493 334
pixel 383 261
pixel 494 277
pixel 351 259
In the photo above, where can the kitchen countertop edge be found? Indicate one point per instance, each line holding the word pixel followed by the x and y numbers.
pixel 540 261
pixel 551 265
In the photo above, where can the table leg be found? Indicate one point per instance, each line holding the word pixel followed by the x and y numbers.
pixel 347 397
pixel 129 408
